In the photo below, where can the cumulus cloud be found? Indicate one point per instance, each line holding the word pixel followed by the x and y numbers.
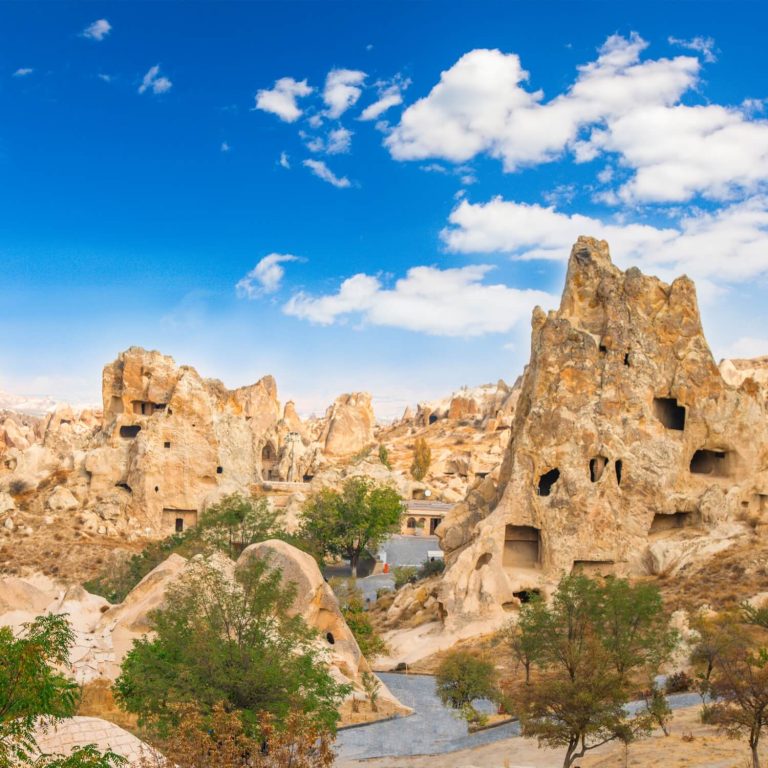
pixel 440 302
pixel 617 104
pixel 390 95
pixel 339 141
pixel 703 45
pixel 23 71
pixel 155 82
pixel 285 161
pixel 342 90
pixel 727 245
pixel 265 277
pixel 322 171
pixel 281 99
pixel 98 30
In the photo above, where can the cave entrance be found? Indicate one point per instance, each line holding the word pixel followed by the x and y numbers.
pixel 547 480
pixel 178 520
pixel 526 595
pixel 596 467
pixel 713 463
pixel 669 412
pixel 521 547
pixel 129 430
pixel 665 522
pixel 269 462
pixel 432 418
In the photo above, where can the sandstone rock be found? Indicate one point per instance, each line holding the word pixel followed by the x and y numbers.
pixel 7 503
pixel 62 500
pixel 350 423
pixel 625 434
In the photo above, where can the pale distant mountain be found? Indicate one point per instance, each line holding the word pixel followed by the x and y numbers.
pixel 32 405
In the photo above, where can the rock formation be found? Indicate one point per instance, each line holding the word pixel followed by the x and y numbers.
pixel 349 425
pixel 104 634
pixel 625 433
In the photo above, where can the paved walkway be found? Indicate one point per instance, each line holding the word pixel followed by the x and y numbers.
pixel 433 729
pixel 408 550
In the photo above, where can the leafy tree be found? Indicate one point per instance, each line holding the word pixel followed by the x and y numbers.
pixel 237 522
pixel 463 678
pixel 32 691
pixel 422 457
pixel 739 683
pixel 590 645
pixel 222 741
pixel 658 708
pixel 218 639
pixel 524 636
pixel 384 456
pixel 348 522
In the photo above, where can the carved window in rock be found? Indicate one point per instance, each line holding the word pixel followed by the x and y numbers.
pixel 597 467
pixel 669 412
pixel 547 480
pixel 521 547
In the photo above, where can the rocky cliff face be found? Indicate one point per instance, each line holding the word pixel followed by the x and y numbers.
pixel 625 432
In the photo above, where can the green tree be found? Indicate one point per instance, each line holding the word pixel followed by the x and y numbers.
pixel 524 637
pixel 590 645
pixel 348 522
pixel 462 678
pixel 33 691
pixel 218 639
pixel 739 682
pixel 384 456
pixel 422 457
pixel 236 522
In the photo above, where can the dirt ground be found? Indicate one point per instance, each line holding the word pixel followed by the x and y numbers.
pixel 689 744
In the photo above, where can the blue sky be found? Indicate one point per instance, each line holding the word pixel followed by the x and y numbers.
pixel 364 195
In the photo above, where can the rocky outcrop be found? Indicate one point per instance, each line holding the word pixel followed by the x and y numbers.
pixel 349 425
pixel 625 432
pixel 104 634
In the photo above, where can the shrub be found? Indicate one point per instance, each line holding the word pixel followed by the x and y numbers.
pixel 404 574
pixel 431 568
pixel 384 456
pixel 679 682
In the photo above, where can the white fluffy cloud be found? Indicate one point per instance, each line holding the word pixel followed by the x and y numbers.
pixel 703 45
pixel 728 245
pixel 342 90
pixel 98 30
pixel 390 95
pixel 154 81
pixel 265 277
pixel 322 171
pixel 617 104
pixel 441 302
pixel 23 71
pixel 281 99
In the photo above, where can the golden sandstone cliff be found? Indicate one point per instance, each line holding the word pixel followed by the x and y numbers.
pixel 630 451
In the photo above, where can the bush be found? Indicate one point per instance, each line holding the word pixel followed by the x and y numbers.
pixel 431 568
pixel 384 456
pixel 679 682
pixel 404 574
pixel 359 622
